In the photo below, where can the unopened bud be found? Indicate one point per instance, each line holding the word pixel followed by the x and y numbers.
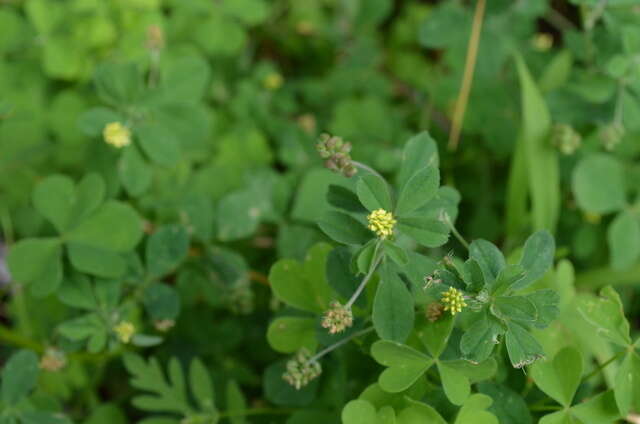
pixel 300 370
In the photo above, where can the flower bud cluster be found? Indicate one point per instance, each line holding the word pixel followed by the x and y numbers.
pixel 300 370
pixel 565 138
pixel 453 300
pixel 611 135
pixel 338 318
pixel 337 155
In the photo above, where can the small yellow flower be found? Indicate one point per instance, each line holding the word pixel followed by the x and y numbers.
pixel 117 135
pixel 125 330
pixel 381 222
pixel 273 81
pixel 453 300
pixel 542 41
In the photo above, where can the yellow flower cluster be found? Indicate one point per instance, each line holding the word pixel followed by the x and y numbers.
pixel 381 222
pixel 273 81
pixel 125 330
pixel 117 135
pixel 453 300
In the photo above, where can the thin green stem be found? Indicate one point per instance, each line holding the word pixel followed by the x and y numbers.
pixel 11 337
pixel 365 280
pixel 257 411
pixel 340 343
pixel 604 365
pixel 455 232
pixel 546 408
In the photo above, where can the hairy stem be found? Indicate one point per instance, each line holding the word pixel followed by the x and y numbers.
pixel 340 343
pixel 365 280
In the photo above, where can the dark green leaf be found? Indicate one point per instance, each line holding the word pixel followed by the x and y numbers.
pixel 344 229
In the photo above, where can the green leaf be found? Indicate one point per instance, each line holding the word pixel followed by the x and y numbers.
pixel 623 236
pixel 161 301
pixel 557 72
pixel 166 248
pixel 420 151
pixel 134 172
pixel 537 258
pixel 396 253
pixel 165 395
pixel 239 214
pixel 600 409
pixel 37 262
pixel 303 286
pixel 93 121
pixel 339 274
pixel 428 232
pixel 344 229
pixel 546 302
pixel 159 144
pixel 456 386
pixel 373 192
pixel 522 347
pixel 54 198
pixel 236 402
pixel 95 261
pixel 478 341
pixel 419 190
pixel 91 327
pixel 435 335
pixel 289 334
pixel 393 308
pixel 176 87
pixel 605 313
pixel 627 384
pixel 118 84
pixel 359 412
pixel 508 406
pixel 559 378
pixel 598 184
pixel 541 157
pixel 517 308
pixel 405 365
pixel 19 376
pixel 474 411
pixel 115 226
pixel 419 413
pixel 345 199
pixel 489 257
pixel 201 386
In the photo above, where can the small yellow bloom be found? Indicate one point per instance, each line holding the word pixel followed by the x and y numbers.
pixel 273 81
pixel 453 300
pixel 117 135
pixel 542 41
pixel 125 330
pixel 381 222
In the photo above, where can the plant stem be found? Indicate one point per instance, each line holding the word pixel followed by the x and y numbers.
pixel 15 339
pixel 467 78
pixel 604 365
pixel 600 277
pixel 338 344
pixel 366 278
pixel 257 411
pixel 455 232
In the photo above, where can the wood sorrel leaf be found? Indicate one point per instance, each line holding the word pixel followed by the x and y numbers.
pixel 627 384
pixel 606 314
pixel 560 377
pixel 405 364
pixel 474 411
pixel 303 286
pixel 455 384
